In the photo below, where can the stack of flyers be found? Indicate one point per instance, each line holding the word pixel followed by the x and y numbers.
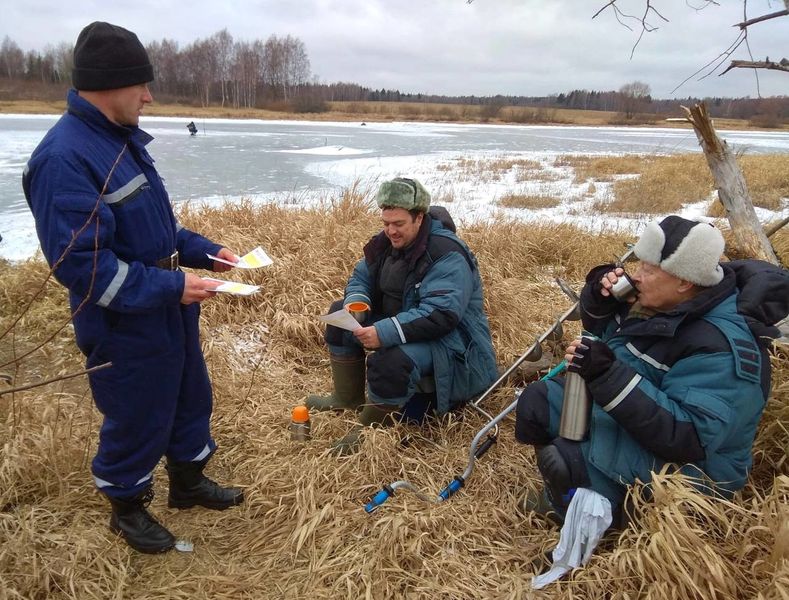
pixel 251 260
pixel 232 287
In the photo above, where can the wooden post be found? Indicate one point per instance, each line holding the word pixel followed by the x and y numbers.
pixel 749 237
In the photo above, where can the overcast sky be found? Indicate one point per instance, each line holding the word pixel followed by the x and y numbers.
pixel 518 47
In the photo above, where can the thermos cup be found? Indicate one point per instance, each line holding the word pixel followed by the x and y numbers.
pixel 624 288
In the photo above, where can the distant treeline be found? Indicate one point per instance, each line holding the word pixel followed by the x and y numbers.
pixel 275 73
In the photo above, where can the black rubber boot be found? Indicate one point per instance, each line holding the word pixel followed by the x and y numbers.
pixel 372 414
pixel 563 468
pixel 135 524
pixel 189 487
pixel 348 376
pixel 556 475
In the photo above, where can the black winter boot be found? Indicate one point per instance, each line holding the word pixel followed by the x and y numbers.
pixel 135 524
pixel 189 487
pixel 562 466
pixel 348 376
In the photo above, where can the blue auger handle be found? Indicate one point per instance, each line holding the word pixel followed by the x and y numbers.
pixel 453 487
pixel 379 499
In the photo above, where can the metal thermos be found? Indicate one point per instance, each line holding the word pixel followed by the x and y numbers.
pixel 574 421
pixel 300 424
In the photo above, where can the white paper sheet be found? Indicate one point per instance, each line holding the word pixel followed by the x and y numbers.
pixel 251 260
pixel 232 287
pixel 342 319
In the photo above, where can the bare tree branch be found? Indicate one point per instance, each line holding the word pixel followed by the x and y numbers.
pixel 745 24
pixel 715 64
pixel 774 228
pixel 760 64
pixel 621 16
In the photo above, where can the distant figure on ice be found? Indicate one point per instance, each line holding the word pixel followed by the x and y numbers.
pixel 418 296
pixel 192 128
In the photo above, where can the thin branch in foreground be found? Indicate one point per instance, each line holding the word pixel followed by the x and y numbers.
pixel 716 62
pixel 54 379
pixel 62 257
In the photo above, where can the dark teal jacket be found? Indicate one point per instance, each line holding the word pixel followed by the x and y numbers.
pixel 689 386
pixel 442 305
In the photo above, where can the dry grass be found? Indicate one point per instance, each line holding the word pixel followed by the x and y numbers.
pixel 530 201
pixel 601 168
pixel 496 169
pixel 767 179
pixel 302 531
pixel 663 184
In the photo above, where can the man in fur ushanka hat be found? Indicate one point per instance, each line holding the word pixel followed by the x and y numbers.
pixel 424 345
pixel 678 374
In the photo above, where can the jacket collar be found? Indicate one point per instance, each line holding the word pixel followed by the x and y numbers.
pixel 87 112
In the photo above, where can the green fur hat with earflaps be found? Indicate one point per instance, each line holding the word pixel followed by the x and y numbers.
pixel 402 192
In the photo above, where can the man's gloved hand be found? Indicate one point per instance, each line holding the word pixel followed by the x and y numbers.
pixel 589 358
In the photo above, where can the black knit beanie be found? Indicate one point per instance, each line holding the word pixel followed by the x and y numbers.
pixel 108 57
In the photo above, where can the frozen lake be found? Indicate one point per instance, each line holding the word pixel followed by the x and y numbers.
pixel 299 162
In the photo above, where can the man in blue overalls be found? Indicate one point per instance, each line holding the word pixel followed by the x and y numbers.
pixel 105 224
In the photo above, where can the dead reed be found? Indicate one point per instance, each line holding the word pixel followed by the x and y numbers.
pixel 530 201
pixel 302 531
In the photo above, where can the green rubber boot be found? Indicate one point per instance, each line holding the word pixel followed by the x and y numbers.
pixel 371 415
pixel 348 375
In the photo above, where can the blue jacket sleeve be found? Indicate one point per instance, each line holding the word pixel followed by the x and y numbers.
pixel 193 249
pixel 76 230
pixel 359 287
pixel 442 299
pixel 688 416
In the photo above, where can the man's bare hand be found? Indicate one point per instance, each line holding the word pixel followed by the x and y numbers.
pixel 368 336
pixel 197 289
pixel 225 254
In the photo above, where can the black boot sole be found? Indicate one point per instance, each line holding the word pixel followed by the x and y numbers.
pixel 191 503
pixel 157 549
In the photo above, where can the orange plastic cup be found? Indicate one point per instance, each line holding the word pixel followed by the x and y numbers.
pixel 300 414
pixel 358 310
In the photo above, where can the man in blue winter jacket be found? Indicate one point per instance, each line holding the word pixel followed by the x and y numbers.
pixel 425 327
pixel 678 374
pixel 106 226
